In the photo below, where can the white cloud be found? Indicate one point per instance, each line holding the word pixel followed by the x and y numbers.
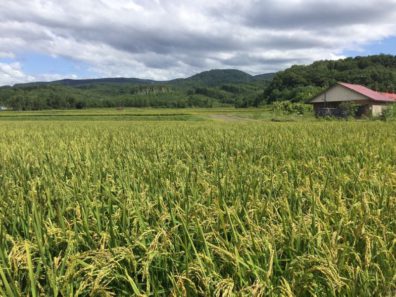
pixel 165 39
pixel 12 73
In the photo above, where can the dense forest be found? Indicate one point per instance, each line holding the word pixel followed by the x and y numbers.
pixel 207 89
pixel 300 83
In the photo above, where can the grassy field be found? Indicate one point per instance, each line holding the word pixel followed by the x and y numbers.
pixel 151 114
pixel 222 204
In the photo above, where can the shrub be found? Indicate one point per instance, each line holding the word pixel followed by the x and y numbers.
pixel 348 109
pixel 287 107
pixel 389 112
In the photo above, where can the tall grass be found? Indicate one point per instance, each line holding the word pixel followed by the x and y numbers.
pixel 197 209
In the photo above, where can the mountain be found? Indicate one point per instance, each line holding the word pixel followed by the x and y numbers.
pixel 85 82
pixel 215 77
pixel 265 76
pixel 219 87
pixel 300 83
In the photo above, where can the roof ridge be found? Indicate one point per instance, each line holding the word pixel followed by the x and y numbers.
pixel 365 91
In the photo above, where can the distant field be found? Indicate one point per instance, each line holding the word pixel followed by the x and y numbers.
pixel 227 204
pixel 130 114
pixel 148 114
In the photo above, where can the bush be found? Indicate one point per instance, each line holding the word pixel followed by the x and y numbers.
pixel 287 107
pixel 389 112
pixel 348 109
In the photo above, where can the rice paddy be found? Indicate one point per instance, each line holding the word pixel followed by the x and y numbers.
pixel 197 208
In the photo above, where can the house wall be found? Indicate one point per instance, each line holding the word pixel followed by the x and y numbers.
pixel 335 104
pixel 367 108
pixel 338 93
pixel 376 109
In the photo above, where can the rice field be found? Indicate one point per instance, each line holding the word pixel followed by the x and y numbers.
pixel 199 208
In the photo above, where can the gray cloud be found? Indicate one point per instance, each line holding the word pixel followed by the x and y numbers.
pixel 167 39
pixel 241 60
pixel 313 15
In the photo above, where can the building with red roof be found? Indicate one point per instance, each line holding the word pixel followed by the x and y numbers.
pixel 369 102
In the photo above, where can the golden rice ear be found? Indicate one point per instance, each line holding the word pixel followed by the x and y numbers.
pixel 224 288
pixel 216 208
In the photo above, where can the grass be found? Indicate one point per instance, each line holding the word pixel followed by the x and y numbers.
pixel 128 114
pixel 208 208
pixel 154 114
pixel 104 117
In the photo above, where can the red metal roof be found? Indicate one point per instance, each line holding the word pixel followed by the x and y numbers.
pixel 389 95
pixel 376 96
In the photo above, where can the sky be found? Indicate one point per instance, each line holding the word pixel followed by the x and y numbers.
pixel 43 40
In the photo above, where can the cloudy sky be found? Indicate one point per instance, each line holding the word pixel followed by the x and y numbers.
pixel 164 39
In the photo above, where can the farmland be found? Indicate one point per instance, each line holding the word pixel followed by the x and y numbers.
pixel 195 203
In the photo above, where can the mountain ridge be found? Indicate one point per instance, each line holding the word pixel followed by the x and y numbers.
pixel 210 77
pixel 216 87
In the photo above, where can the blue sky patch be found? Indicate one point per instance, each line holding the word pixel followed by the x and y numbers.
pixel 385 46
pixel 37 64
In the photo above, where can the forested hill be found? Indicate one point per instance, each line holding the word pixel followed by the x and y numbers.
pixel 85 82
pixel 215 78
pixel 300 83
pixel 212 88
pixel 207 89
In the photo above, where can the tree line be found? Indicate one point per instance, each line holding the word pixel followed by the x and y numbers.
pixel 66 97
pixel 300 83
pixel 209 89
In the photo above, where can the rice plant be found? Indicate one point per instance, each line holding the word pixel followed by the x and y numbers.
pixel 197 209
